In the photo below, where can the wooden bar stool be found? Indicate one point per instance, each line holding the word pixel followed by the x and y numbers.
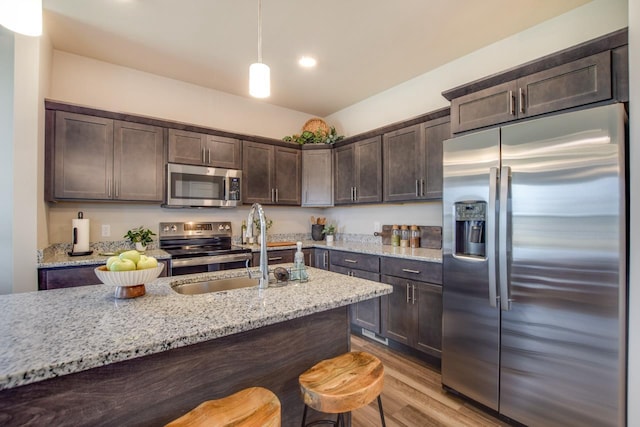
pixel 251 407
pixel 342 384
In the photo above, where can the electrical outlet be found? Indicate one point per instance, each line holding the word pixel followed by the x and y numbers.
pixel 106 230
pixel 377 227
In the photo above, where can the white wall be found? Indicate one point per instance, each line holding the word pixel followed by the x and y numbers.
pixel 80 80
pixel 423 93
pixel 633 377
pixel 6 160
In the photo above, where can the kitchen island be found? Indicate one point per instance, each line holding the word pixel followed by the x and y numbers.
pixel 79 356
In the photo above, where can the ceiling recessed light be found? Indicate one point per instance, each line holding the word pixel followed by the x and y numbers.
pixel 307 62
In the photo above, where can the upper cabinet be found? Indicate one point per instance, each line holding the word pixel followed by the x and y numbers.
pixel 270 174
pixel 95 158
pixel 194 148
pixel 412 159
pixel 358 172
pixel 580 82
pixel 317 177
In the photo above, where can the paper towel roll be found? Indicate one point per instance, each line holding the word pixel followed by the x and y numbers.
pixel 80 235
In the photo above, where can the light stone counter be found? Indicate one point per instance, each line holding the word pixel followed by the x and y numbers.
pixel 55 259
pixel 418 254
pixel 57 332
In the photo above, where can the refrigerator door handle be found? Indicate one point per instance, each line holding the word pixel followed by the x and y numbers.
pixel 491 236
pixel 505 301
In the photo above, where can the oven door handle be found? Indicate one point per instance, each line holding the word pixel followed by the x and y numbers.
pixel 206 260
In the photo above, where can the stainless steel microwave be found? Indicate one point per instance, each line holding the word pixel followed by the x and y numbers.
pixel 201 186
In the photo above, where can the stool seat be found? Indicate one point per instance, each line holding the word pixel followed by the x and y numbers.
pixel 343 383
pixel 251 407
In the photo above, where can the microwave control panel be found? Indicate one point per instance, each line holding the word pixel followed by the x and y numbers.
pixel 234 188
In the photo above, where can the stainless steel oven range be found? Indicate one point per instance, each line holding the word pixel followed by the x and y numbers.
pixel 200 247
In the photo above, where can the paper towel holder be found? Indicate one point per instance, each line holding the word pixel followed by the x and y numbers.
pixel 74 240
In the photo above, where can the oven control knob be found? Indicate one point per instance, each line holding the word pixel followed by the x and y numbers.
pixel 226 227
pixel 165 228
pixel 221 227
pixel 174 227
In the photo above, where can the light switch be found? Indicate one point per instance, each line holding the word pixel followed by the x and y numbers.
pixel 376 227
pixel 106 230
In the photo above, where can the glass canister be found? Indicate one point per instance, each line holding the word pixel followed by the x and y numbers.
pixel 404 236
pixel 395 235
pixel 414 239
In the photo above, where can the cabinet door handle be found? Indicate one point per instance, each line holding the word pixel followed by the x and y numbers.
pixel 350 261
pixel 512 102
pixel 115 188
pixel 413 294
pixel 203 158
pixel 325 259
pixel 422 187
pixel 306 196
pixel 209 155
pixel 275 258
pixel 273 198
pixel 352 199
pixel 408 294
pixel 406 270
pixel 355 194
pixel 276 195
pixel 109 188
pixel 521 100
pixel 417 188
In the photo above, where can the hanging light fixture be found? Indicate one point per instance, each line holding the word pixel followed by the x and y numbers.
pixel 22 16
pixel 259 73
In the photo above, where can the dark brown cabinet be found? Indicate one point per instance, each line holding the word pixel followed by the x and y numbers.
pixel 320 258
pixel 412 313
pixel 317 177
pixel 358 172
pixel 365 314
pixel 270 174
pixel 412 159
pixel 576 83
pixel 70 277
pixel 95 158
pixel 195 148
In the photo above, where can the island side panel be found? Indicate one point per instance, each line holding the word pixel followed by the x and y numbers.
pixel 153 390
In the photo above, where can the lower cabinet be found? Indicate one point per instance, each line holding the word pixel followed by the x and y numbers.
pixel 70 277
pixel 320 258
pixel 412 313
pixel 365 314
pixel 281 256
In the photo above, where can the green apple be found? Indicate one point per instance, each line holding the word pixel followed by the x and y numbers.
pixel 131 255
pixel 110 261
pixel 147 262
pixel 122 265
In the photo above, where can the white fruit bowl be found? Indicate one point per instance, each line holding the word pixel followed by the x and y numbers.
pixel 128 278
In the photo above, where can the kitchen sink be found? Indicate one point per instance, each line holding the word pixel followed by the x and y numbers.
pixel 216 285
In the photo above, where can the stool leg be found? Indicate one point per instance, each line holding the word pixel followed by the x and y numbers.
pixel 340 421
pixel 381 412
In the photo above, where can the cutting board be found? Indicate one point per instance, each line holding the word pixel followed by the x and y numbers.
pixel 430 236
pixel 276 244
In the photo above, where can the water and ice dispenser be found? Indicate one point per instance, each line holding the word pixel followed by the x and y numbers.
pixel 470 228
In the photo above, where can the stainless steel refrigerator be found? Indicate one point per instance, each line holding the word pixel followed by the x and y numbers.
pixel 534 251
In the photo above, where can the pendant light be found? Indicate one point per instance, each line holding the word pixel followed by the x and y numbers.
pixel 259 73
pixel 22 16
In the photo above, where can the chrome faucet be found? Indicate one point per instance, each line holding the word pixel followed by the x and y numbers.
pixel 263 282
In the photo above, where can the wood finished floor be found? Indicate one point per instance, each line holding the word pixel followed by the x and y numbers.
pixel 413 396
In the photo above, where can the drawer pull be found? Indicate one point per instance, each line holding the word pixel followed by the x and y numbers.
pixel 406 270
pixel 351 261
pixel 275 258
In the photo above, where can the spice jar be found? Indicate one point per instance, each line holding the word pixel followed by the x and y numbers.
pixel 414 239
pixel 404 236
pixel 395 236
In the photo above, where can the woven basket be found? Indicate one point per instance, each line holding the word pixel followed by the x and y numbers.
pixel 313 125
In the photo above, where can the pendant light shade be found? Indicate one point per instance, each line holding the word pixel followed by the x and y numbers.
pixel 259 80
pixel 259 73
pixel 22 16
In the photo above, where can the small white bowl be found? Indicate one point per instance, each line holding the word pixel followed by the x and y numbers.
pixel 128 278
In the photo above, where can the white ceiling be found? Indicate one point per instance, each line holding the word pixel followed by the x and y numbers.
pixel 363 47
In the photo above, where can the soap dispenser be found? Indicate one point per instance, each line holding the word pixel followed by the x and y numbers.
pixel 299 270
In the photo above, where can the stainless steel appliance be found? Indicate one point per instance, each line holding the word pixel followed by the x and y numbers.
pixel 534 250
pixel 201 186
pixel 199 247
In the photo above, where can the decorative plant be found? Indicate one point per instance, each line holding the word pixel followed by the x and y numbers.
pixel 329 230
pixel 140 235
pixel 268 222
pixel 317 137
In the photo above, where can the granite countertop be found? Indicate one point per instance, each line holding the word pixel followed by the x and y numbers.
pixel 55 259
pixel 418 254
pixel 51 333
